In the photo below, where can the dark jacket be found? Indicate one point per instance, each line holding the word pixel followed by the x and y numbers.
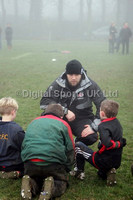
pixel 112 32
pixel 49 138
pixel 109 154
pixel 11 138
pixel 125 34
pixel 79 101
pixel 8 32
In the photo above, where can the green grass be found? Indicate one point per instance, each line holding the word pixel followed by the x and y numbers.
pixel 25 73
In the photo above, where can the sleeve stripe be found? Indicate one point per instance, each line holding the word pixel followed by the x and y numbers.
pixel 93 160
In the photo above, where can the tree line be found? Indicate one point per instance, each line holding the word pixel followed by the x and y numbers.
pixel 87 20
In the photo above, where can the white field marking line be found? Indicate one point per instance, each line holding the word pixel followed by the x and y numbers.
pixel 21 56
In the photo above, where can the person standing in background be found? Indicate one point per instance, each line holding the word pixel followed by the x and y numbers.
pixel 9 33
pixel 125 35
pixel 112 32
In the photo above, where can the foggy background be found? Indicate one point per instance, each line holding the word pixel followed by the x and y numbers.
pixel 63 19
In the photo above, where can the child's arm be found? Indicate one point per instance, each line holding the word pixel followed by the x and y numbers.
pixel 18 138
pixel 106 141
pixel 117 144
pixel 69 148
pixel 105 137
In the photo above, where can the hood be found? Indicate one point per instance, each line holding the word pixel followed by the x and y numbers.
pixel 85 81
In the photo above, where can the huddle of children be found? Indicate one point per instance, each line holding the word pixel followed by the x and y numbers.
pixel 45 154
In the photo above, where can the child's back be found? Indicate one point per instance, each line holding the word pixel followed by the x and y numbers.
pixel 11 138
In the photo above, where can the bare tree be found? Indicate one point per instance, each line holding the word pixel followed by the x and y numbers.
pixel 103 11
pixel 35 10
pixel 35 16
pixel 16 8
pixel 129 11
pixel 81 11
pixel 118 11
pixel 3 12
pixel 60 10
pixel 16 11
pixel 89 6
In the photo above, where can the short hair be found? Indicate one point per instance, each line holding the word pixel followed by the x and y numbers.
pixel 55 109
pixel 110 108
pixel 7 104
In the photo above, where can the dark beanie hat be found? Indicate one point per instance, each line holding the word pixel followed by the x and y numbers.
pixel 74 67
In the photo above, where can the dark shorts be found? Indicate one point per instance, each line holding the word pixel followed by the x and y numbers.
pixel 56 170
pixel 9 42
pixel 104 162
pixel 39 173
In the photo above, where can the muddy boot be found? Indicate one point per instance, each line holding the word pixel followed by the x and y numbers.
pixel 11 175
pixel 73 172
pixel 111 177
pixel 26 188
pixel 80 175
pixel 47 189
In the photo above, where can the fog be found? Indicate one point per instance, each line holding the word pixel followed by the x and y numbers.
pixel 63 19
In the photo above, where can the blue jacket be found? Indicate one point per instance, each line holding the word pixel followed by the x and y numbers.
pixel 11 138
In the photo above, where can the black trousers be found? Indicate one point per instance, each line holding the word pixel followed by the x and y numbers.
pixel 111 46
pixel 19 167
pixel 9 42
pixel 78 126
pixel 102 162
pixel 39 173
pixel 125 46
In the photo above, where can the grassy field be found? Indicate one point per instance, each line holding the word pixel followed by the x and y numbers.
pixel 25 73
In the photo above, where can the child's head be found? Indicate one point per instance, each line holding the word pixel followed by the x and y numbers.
pixel 8 105
pixel 55 109
pixel 108 109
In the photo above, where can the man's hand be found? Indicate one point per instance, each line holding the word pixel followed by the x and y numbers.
pixel 70 116
pixel 87 131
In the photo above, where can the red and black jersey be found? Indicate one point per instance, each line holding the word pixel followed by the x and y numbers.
pixel 109 153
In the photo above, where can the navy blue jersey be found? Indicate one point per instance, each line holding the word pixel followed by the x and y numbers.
pixel 11 138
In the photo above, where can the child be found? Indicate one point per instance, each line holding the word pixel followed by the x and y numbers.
pixel 48 154
pixel 11 138
pixel 108 158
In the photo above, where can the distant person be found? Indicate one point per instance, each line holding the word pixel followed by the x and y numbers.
pixel 9 33
pixel 11 138
pixel 48 155
pixel 112 38
pixel 118 42
pixel 108 158
pixel 125 35
pixel 0 38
